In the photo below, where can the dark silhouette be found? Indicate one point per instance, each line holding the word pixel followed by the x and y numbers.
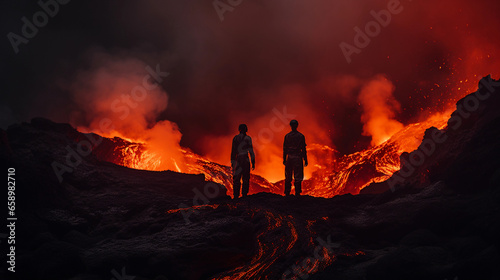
pixel 294 158
pixel 242 146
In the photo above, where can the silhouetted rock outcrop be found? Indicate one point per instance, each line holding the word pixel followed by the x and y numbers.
pixel 464 155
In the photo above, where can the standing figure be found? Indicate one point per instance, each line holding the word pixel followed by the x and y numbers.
pixel 242 146
pixel 294 158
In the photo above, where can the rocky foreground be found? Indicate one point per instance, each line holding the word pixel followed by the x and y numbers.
pixel 437 218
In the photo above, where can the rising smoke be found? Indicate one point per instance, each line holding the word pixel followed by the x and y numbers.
pixel 264 55
pixel 119 96
pixel 379 110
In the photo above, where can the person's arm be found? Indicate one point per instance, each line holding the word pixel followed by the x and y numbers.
pixel 284 151
pixel 304 151
pixel 252 154
pixel 233 154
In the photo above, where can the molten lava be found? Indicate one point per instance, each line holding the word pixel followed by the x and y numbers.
pixel 333 175
pixel 351 173
pixel 136 141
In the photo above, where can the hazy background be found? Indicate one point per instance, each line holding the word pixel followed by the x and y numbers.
pixel 265 55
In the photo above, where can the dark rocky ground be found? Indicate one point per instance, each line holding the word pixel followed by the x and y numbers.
pixel 106 221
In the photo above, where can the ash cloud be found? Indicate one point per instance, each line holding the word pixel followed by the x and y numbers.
pixel 240 69
pixel 379 109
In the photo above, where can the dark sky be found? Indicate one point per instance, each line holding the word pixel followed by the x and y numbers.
pixel 265 54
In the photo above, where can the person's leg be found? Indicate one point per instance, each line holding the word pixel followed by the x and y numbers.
pixel 298 171
pixel 237 180
pixel 288 176
pixel 246 178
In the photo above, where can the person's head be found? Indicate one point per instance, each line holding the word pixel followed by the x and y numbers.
pixel 294 124
pixel 243 128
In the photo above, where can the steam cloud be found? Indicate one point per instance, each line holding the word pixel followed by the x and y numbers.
pixel 264 55
pixel 379 110
pixel 117 96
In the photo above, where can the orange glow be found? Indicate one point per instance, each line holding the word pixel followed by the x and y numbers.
pixel 195 207
pixel 379 108
pixel 268 252
pixel 348 175
pixel 143 143
pixel 330 175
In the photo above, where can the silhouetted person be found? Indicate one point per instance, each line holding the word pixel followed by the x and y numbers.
pixel 242 146
pixel 294 158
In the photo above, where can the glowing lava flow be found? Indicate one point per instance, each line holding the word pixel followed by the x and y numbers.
pixel 280 238
pixel 269 248
pixel 353 172
pixel 334 176
pixel 267 252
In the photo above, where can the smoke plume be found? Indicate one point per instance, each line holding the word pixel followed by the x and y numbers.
pixel 379 110
pixel 118 96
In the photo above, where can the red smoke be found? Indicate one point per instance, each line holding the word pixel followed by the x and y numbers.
pixel 379 110
pixel 268 131
pixel 271 55
pixel 119 97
